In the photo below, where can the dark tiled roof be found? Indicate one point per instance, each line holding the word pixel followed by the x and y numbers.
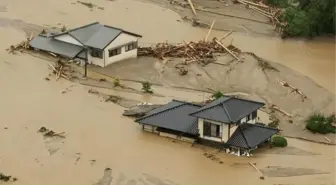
pixel 227 109
pixel 96 35
pixel 174 116
pixel 45 43
pixel 250 135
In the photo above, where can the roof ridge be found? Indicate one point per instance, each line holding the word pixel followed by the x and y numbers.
pixel 229 97
pixel 257 125
pixel 146 116
pixel 84 26
pixel 242 133
pixel 74 29
pixel 190 103
pixel 253 101
pixel 226 111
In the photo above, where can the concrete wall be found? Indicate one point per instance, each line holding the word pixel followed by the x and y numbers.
pixel 223 130
pixel 69 39
pixel 120 42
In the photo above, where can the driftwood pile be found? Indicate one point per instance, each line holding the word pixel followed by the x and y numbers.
pixel 201 51
pixel 60 69
pixel 24 45
pixel 271 12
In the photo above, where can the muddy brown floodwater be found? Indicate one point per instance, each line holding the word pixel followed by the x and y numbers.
pixel 97 137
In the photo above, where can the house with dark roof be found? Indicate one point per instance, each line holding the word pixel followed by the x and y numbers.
pixel 97 43
pixel 227 122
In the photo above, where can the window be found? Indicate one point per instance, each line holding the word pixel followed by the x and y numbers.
pixel 97 53
pixel 251 116
pixel 114 52
pixel 211 130
pixel 131 46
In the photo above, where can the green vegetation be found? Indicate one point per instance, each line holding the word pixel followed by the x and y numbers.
pixel 217 95
pixel 147 87
pixel 318 123
pixel 278 141
pixel 310 18
pixel 116 82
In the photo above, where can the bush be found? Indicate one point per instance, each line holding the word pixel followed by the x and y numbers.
pixel 278 141
pixel 116 82
pixel 318 123
pixel 147 87
pixel 217 95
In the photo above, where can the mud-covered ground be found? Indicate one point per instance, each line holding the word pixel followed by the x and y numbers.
pixel 248 77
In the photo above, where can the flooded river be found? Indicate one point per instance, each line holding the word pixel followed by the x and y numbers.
pixel 98 137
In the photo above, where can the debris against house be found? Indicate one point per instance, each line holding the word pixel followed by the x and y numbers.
pixel 201 52
pixel 60 69
pixel 236 130
pixel 50 133
pixel 24 45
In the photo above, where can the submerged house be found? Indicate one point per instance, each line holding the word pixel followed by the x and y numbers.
pixel 227 122
pixel 97 43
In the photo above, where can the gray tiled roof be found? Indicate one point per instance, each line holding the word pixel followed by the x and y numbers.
pixel 249 136
pixel 96 35
pixel 174 116
pixel 227 109
pixel 62 48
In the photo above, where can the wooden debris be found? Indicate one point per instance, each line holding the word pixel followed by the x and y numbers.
pixel 206 38
pixel 24 45
pixel 61 70
pixel 226 35
pixel 327 139
pixel 294 89
pixel 270 12
pixel 192 7
pixel 201 52
pixel 274 107
pixel 50 133
pixel 7 178
pixel 261 174
pixel 219 43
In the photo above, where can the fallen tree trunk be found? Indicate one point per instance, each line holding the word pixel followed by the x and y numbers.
pixel 274 107
pixel 219 43
pixel 294 89
pixel 192 7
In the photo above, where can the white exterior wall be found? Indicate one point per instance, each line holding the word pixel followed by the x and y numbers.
pixel 223 130
pixel 232 129
pixel 95 60
pixel 69 39
pixel 122 40
pixel 252 121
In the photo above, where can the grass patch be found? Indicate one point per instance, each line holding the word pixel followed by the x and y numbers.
pixel 319 123
pixel 147 87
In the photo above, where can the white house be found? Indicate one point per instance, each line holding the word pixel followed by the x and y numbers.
pixel 227 122
pixel 97 43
